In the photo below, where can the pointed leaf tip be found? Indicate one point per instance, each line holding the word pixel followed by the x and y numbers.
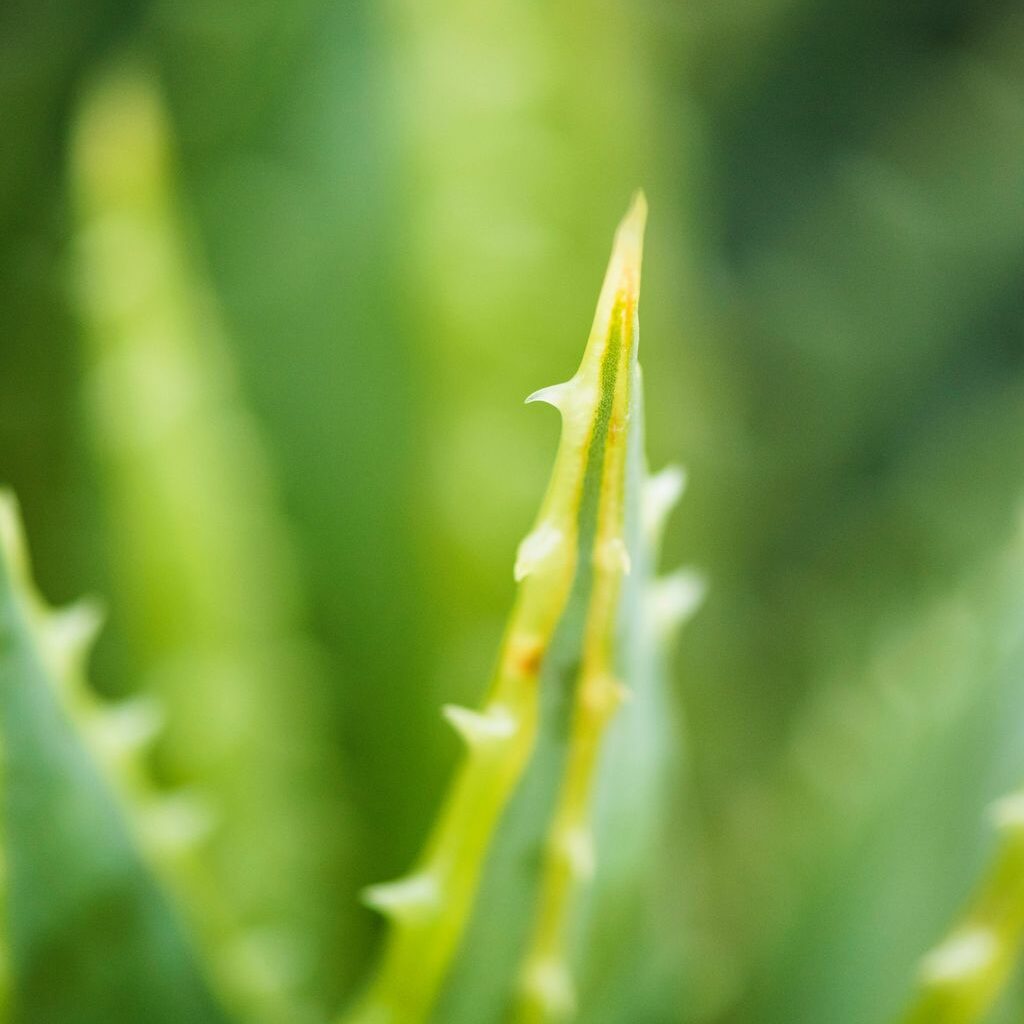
pixel 627 251
pixel 620 294
pixel 631 229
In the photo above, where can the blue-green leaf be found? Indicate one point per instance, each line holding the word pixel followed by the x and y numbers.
pixel 94 938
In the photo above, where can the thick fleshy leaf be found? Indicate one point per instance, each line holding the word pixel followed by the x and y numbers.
pixel 562 762
pixel 94 938
pixel 205 590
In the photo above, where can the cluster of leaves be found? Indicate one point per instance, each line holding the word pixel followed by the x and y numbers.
pixel 403 214
pixel 108 876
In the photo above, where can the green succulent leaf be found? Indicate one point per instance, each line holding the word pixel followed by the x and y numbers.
pixel 204 587
pixel 492 922
pixel 93 935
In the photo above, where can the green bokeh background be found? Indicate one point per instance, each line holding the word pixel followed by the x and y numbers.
pixel 403 210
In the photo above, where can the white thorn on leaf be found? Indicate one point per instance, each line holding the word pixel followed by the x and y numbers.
pixel 549 984
pixel 129 726
pixel 535 548
pixel 661 493
pixel 266 959
pixel 963 955
pixel 613 555
pixel 177 822
pixel 602 694
pixel 406 897
pixel 70 632
pixel 554 395
pixel 1008 813
pixel 674 598
pixel 576 844
pixel 480 728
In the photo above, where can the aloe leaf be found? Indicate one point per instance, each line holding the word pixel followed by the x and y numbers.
pixel 486 921
pixel 502 236
pixel 961 978
pixel 93 935
pixel 877 779
pixel 205 583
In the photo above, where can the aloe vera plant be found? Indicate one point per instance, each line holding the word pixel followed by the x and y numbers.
pixel 565 754
pixel 398 207
pixel 486 923
pixel 538 879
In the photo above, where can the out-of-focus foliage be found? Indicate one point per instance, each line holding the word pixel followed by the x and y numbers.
pixel 90 933
pixel 400 212
pixel 203 569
